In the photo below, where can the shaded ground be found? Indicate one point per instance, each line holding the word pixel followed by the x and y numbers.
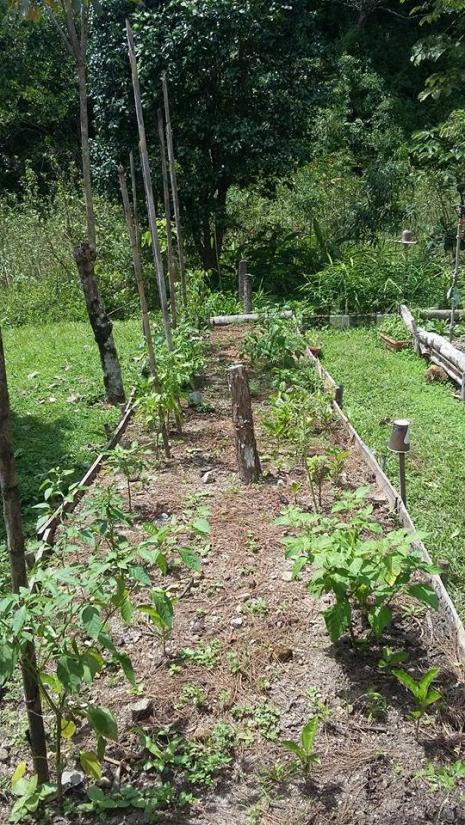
pixel 273 665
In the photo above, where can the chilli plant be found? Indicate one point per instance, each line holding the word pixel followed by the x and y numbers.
pixel 363 570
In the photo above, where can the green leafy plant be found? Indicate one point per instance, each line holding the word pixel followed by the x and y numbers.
pixel 160 612
pixel 391 658
pixel 394 327
pixel 304 750
pixel 364 572
pixel 444 778
pixel 423 694
pixel 131 462
pixel 28 794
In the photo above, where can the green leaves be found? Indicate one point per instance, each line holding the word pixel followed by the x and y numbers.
pixel 304 750
pixel 201 525
pixel 191 559
pixel 91 764
pixel 103 722
pixel 363 569
pixel 421 690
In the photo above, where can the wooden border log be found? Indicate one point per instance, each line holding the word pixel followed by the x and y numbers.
pixel 248 461
pixel 442 314
pixel 446 603
pixel 251 317
pixel 433 341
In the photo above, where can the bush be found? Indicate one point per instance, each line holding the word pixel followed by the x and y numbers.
pixel 38 275
pixel 377 279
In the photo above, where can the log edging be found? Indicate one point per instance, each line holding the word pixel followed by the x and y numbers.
pixel 453 619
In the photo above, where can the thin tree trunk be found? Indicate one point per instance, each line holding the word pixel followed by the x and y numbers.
pixel 248 461
pixel 107 349
pixel 16 550
pixel 241 279
pixel 84 256
pixel 166 201
pixel 174 190
pixel 149 188
pixel 137 264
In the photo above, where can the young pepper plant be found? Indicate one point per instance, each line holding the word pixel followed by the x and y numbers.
pixel 362 570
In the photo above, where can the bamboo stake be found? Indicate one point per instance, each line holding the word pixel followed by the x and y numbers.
pixel 149 188
pixel 248 461
pixel 174 190
pixel 16 550
pixel 166 201
pixel 137 264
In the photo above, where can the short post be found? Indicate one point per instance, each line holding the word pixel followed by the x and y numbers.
pixel 462 388
pixel 400 443
pixel 242 275
pixel 248 461
pixel 339 395
pixel 247 293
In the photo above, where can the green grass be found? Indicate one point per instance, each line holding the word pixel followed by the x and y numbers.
pixel 47 366
pixel 380 385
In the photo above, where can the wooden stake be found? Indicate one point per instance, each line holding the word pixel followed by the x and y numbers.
pixel 149 188
pixel 174 189
pixel 137 264
pixel 247 293
pixel 16 550
pixel 241 278
pixel 248 461
pixel 166 200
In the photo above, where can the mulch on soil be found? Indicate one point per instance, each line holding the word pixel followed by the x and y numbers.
pixel 273 651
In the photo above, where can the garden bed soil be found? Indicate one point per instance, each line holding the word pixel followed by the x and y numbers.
pixel 278 657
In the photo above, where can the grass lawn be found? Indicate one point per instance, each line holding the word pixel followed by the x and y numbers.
pixel 380 385
pixel 57 399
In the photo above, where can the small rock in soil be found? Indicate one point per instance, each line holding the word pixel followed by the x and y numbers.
pixel 141 710
pixel 282 653
pixel 209 477
pixel 236 622
pixel 4 755
pixel 71 779
pixel 195 399
pixel 287 576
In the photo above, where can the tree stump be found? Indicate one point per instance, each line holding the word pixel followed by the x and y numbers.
pixel 248 461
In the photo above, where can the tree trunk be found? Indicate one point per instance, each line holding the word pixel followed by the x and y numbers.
pixel 146 173
pixel 248 461
pixel 137 264
pixel 174 191
pixel 84 256
pixel 166 202
pixel 16 550
pixel 78 47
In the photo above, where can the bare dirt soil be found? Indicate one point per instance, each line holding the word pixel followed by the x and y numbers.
pixel 273 665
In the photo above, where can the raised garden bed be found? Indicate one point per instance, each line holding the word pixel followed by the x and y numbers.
pixel 250 659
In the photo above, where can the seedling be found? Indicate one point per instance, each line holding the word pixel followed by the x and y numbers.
pixel 130 462
pixel 161 615
pixel 305 749
pixel 422 692
pixel 445 778
pixel 391 658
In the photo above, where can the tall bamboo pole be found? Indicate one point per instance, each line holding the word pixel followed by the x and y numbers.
pixel 174 190
pixel 137 264
pixel 16 550
pixel 166 201
pixel 149 188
